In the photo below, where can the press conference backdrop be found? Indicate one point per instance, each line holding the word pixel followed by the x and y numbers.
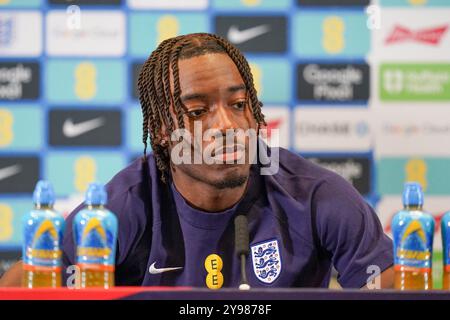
pixel 362 90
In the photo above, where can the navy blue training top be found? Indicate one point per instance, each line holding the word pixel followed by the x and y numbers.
pixel 302 221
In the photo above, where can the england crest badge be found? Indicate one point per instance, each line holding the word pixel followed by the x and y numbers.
pixel 266 260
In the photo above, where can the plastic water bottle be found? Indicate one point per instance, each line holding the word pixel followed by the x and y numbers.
pixel 413 231
pixel 43 230
pixel 95 232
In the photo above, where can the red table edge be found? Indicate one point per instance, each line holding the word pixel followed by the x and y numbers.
pixel 17 293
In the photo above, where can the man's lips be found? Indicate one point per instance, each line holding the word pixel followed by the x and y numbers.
pixel 229 153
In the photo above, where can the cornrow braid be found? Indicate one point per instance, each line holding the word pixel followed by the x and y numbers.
pixel 155 94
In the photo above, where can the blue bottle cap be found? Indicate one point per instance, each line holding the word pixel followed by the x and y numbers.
pixel 412 194
pixel 96 195
pixel 43 193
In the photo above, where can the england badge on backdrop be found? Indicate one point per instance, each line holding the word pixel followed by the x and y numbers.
pixel 266 260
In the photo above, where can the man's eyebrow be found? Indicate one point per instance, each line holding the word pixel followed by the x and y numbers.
pixel 237 88
pixel 193 96
pixel 201 96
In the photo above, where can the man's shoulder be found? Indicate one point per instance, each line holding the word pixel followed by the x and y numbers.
pixel 298 173
pixel 300 178
pixel 132 178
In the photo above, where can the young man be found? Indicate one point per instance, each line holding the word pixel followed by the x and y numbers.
pixel 176 215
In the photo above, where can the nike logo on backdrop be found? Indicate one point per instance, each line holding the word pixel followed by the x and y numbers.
pixel 154 270
pixel 9 171
pixel 239 36
pixel 72 130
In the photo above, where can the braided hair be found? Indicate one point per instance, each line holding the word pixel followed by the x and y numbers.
pixel 155 95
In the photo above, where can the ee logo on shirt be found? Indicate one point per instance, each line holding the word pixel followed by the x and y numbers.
pixel 214 264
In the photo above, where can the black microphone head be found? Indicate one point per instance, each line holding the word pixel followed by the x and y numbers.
pixel 241 235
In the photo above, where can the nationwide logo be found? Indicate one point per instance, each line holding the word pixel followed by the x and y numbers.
pixel 355 170
pixel 333 82
pixel 414 82
pixel 19 81
pixel 430 36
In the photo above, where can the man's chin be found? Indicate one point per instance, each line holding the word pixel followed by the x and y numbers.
pixel 229 182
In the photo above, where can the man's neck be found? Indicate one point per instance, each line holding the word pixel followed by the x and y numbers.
pixel 205 197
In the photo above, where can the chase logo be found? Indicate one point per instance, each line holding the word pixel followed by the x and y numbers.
pixel 348 129
pixel 19 174
pixel 72 127
pixel 266 261
pixel 254 34
pixel 84 81
pixel 318 34
pixel 20 33
pixel 21 128
pixel 155 28
pixel 19 80
pixel 272 79
pixel 81 169
pixel 251 5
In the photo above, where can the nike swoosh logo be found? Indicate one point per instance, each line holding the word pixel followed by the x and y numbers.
pixel 154 270
pixel 72 130
pixel 9 171
pixel 239 36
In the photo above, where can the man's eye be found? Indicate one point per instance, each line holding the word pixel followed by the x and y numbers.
pixel 195 113
pixel 239 105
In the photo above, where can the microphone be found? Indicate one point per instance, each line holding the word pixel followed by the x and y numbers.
pixel 241 247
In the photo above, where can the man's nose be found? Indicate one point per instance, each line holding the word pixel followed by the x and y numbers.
pixel 222 119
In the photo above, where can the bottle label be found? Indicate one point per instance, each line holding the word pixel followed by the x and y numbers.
pixel 413 241
pixel 96 239
pixel 42 244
